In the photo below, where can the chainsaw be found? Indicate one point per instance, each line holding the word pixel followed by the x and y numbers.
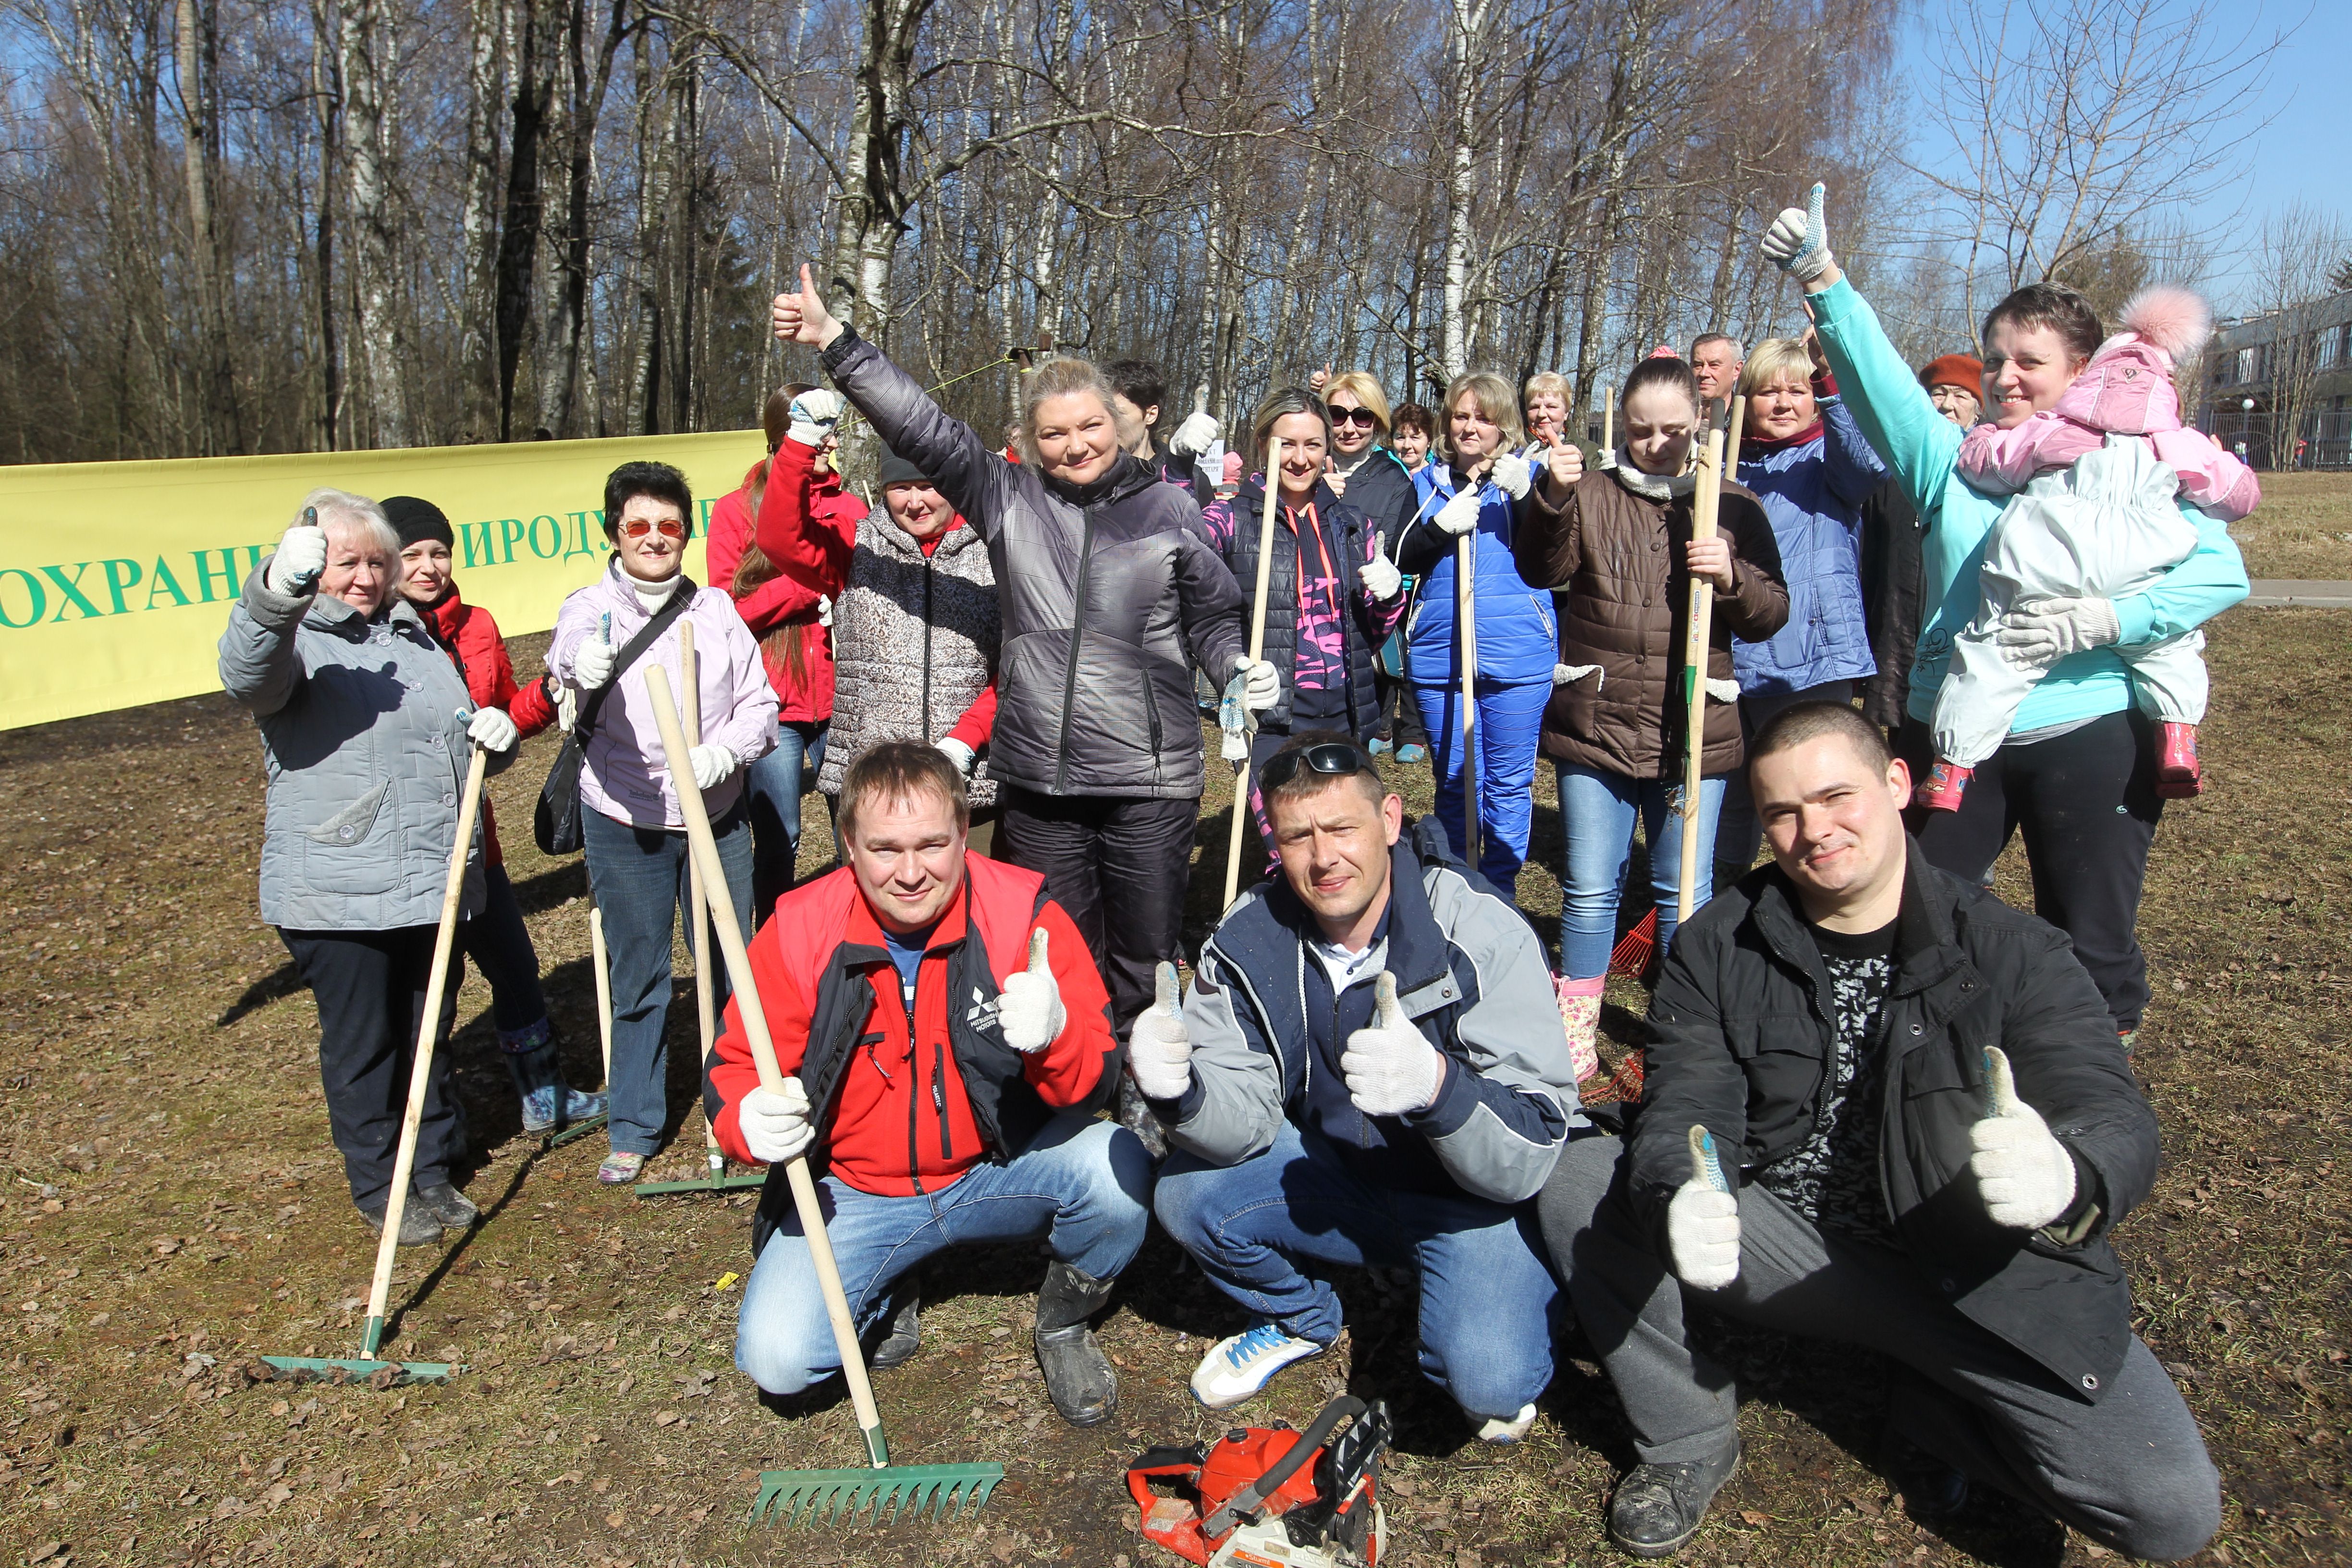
pixel 1264 1497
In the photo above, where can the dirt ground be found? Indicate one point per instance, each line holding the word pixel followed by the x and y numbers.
pixel 173 1207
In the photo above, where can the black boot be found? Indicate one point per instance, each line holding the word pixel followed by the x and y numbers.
pixel 1657 1507
pixel 1077 1374
pixel 902 1339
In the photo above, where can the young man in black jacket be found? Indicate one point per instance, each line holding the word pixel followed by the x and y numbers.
pixel 1882 1109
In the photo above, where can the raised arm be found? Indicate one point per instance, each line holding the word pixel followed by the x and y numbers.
pixel 788 531
pixel 259 665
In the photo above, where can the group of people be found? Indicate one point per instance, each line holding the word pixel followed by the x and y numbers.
pixel 1880 1107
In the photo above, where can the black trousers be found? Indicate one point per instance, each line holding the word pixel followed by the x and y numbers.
pixel 1118 867
pixel 2086 803
pixel 370 987
pixel 1399 715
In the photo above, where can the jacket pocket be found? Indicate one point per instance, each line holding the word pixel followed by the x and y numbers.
pixel 351 852
pixel 1781 1056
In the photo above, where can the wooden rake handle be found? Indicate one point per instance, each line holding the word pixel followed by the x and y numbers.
pixel 705 849
pixel 1256 652
pixel 1698 634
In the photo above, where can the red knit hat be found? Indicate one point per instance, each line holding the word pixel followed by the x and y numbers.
pixel 1954 370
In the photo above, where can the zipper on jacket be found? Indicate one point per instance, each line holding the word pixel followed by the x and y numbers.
pixel 939 1098
pixel 1078 634
pixel 1151 712
pixel 914 1168
pixel 927 649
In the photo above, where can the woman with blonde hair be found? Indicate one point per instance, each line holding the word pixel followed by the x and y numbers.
pixel 1110 592
pixel 1467 494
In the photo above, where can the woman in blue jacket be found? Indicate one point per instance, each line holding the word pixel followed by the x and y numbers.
pixel 1466 493
pixel 1807 461
pixel 2077 774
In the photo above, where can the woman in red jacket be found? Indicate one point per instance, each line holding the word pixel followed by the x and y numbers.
pixel 789 617
pixel 496 939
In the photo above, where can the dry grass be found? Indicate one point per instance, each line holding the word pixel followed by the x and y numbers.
pixel 171 1196
pixel 2303 529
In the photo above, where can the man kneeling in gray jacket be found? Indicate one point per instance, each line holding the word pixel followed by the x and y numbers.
pixel 1369 1069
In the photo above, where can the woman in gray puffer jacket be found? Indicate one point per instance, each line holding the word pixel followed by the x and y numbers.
pixel 365 728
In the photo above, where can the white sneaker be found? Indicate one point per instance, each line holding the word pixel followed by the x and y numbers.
pixel 1497 1430
pixel 1240 1364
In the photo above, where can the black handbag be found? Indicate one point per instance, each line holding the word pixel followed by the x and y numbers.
pixel 556 822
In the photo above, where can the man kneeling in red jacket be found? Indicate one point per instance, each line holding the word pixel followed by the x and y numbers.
pixel 944 1031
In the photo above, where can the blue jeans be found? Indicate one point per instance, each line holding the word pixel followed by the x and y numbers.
pixel 1739 834
pixel 1510 723
pixel 1488 1303
pixel 774 785
pixel 1084 1186
pixel 1597 812
pixel 499 944
pixel 639 877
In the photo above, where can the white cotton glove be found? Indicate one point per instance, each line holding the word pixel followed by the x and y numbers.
pixel 1193 437
pixel 1261 685
pixel 567 706
pixel 492 730
pixel 2025 1174
pixel 814 414
pixel 301 556
pixel 1382 580
pixel 1798 242
pixel 825 609
pixel 1703 1221
pixel 1390 1065
pixel 712 766
pixel 1159 1051
pixel 775 1125
pixel 1512 475
pixel 1029 1008
pixel 2044 631
pixel 959 753
pixel 1460 515
pixel 591 667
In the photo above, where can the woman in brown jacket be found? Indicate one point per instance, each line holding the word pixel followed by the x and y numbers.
pixel 1618 539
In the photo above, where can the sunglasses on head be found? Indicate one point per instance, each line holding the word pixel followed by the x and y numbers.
pixel 1363 416
pixel 1333 759
pixel 638 527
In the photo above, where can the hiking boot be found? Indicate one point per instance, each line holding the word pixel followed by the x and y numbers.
pixel 1504 1432
pixel 453 1209
pixel 1657 1507
pixel 419 1227
pixel 1077 1374
pixel 2179 776
pixel 903 1338
pixel 1239 1365
pixel 1942 788
pixel 1579 1015
pixel 533 1058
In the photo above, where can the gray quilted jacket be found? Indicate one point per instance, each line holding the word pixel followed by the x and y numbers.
pixel 1104 593
pixel 914 644
pixel 364 742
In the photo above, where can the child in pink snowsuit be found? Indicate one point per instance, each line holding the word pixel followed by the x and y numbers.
pixel 2097 481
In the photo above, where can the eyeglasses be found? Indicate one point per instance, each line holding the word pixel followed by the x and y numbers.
pixel 1333 759
pixel 1363 416
pixel 638 527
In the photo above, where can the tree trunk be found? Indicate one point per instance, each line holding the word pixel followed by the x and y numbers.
pixel 197 25
pixel 478 365
pixel 371 61
pixel 526 215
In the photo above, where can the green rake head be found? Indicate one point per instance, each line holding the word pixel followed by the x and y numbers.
pixel 363 1369
pixel 896 1493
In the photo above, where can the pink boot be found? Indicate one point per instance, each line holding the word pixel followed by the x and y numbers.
pixel 1940 790
pixel 2177 775
pixel 1579 1015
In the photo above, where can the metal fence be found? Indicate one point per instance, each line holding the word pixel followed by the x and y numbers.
pixel 2321 439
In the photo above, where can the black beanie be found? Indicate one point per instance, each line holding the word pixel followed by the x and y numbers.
pixel 417 521
pixel 897 470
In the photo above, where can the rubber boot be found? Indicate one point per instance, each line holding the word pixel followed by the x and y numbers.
pixel 1942 788
pixel 2178 773
pixel 1579 1015
pixel 1078 1377
pixel 535 1063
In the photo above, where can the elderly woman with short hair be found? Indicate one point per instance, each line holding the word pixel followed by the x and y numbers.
pixel 1110 590
pixel 365 727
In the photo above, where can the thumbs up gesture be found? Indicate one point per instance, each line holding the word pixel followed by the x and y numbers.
pixel 1390 1065
pixel 1381 578
pixel 1703 1220
pixel 1158 1049
pixel 2025 1174
pixel 1566 464
pixel 591 667
pixel 801 318
pixel 1334 478
pixel 301 558
pixel 1029 1009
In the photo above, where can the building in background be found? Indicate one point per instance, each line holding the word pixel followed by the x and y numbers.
pixel 2281 382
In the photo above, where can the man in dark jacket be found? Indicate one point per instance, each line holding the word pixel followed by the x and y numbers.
pixel 1882 1109
pixel 1369 1070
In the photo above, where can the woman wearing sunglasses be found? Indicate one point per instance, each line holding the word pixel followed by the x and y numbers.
pixel 633 829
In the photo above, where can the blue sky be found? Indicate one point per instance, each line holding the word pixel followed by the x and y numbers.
pixel 2304 149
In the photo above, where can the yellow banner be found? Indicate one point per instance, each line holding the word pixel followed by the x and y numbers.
pixel 117 578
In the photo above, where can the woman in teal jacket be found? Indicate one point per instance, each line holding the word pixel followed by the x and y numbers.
pixel 2077 776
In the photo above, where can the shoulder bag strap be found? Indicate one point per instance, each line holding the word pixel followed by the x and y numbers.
pixel 631 651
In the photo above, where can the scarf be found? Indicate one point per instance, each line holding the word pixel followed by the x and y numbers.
pixel 1660 488
pixel 1757 445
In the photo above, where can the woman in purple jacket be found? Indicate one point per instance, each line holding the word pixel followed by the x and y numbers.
pixel 631 824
